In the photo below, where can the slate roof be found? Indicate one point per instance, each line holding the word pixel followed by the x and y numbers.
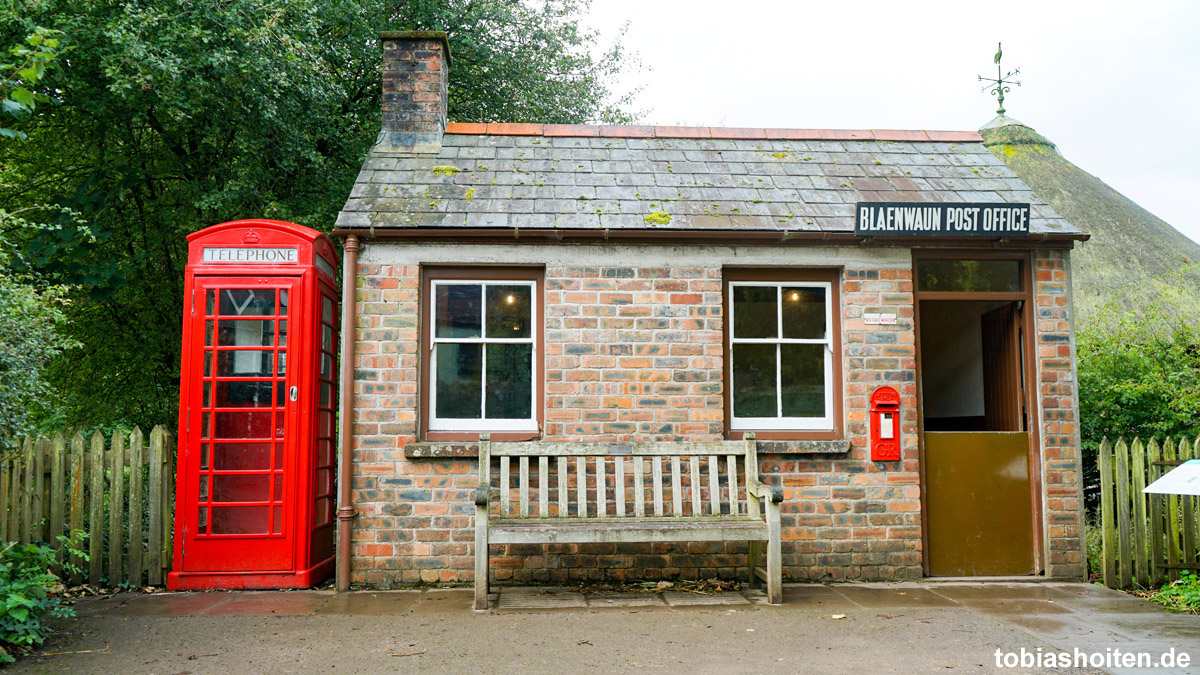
pixel 534 177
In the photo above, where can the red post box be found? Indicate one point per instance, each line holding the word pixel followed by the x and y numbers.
pixel 258 389
pixel 885 425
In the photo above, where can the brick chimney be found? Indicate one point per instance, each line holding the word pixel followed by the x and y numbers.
pixel 416 71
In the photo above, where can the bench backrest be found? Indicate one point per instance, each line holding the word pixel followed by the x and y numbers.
pixel 599 480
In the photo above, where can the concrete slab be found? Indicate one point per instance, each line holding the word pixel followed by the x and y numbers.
pixel 445 601
pixel 618 600
pixel 371 603
pixel 165 604
pixel 1018 608
pixel 885 596
pixel 540 598
pixel 269 603
pixel 1163 626
pixel 685 599
pixel 956 591
pixel 816 596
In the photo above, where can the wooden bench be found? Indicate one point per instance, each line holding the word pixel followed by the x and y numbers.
pixel 580 493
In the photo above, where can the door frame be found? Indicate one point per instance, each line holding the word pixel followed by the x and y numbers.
pixel 1028 354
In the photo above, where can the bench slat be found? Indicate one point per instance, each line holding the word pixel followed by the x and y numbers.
pixel 619 482
pixel 524 488
pixel 695 462
pixel 569 449
pixel 676 488
pixel 714 486
pixel 581 487
pixel 601 490
pixel 656 469
pixel 504 483
pixel 733 490
pixel 543 486
pixel 589 530
pixel 639 484
pixel 562 487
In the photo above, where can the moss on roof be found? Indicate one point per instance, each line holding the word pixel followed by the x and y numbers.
pixel 1133 256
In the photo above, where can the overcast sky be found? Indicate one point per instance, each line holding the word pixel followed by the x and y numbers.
pixel 1113 84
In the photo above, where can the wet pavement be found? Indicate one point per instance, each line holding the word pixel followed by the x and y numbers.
pixel 903 628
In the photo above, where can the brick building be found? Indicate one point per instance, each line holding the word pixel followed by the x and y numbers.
pixel 618 283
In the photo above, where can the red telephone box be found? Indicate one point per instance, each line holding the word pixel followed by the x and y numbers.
pixel 255 487
pixel 885 425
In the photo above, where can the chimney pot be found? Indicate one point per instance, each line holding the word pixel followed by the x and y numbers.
pixel 415 70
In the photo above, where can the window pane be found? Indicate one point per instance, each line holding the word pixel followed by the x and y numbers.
pixel 240 519
pixel 755 312
pixel 804 313
pixel 244 424
pixel 459 388
pixel 508 311
pixel 458 310
pixel 242 456
pixel 247 301
pixel 243 395
pixel 240 488
pixel 509 390
pixel 326 309
pixel 252 333
pixel 802 374
pixel 754 392
pixel 248 363
pixel 969 275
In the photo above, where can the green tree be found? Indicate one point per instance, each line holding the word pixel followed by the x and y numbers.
pixel 178 114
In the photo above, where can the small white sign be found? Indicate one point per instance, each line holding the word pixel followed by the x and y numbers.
pixel 249 255
pixel 1182 480
pixel 876 319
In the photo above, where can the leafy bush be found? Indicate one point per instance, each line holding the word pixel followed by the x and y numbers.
pixel 28 594
pixel 1182 595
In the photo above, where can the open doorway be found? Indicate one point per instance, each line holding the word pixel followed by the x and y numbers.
pixel 979 508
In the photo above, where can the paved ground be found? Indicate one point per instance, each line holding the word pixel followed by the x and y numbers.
pixel 851 628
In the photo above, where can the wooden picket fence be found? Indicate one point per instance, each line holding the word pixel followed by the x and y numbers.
pixel 120 493
pixel 1147 539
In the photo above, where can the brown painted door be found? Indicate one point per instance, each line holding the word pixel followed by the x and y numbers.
pixel 979 509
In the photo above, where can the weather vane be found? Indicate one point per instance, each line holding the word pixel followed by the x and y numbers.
pixel 999 84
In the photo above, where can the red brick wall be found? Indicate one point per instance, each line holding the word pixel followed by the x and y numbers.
pixel 415 80
pixel 636 352
pixel 1063 517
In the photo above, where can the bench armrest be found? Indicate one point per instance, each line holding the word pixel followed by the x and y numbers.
pixel 771 493
pixel 481 495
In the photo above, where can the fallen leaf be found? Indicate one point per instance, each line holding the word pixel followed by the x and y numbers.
pixel 838 616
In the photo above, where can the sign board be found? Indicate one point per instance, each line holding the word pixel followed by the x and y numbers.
pixel 267 256
pixel 876 319
pixel 923 219
pixel 1182 480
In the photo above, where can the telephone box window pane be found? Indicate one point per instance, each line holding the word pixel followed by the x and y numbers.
pixel 207 395
pixel 280 398
pixel 202 489
pixel 327 338
pixel 509 391
pixel 755 312
pixel 207 364
pixel 754 393
pixel 278 456
pixel 283 332
pixel 326 367
pixel 242 456
pixel 279 424
pixel 1002 276
pixel 803 313
pixel 802 376
pixel 277 494
pixel 246 333
pixel 242 424
pixel 283 302
pixel 325 423
pixel 210 302
pixel 202 519
pixel 204 425
pixel 244 363
pixel 508 313
pixel 326 309
pixel 240 488
pixel 248 301
pixel 240 519
pixel 322 513
pixel 457 310
pixel 282 364
pixel 276 519
pixel 326 394
pixel 204 457
pixel 208 333
pixel 324 453
pixel 243 394
pixel 459 390
pixel 324 482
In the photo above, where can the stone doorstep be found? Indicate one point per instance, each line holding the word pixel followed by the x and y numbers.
pixel 519 598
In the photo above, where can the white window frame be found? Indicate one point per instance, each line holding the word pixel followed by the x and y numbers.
pixel 484 424
pixel 780 422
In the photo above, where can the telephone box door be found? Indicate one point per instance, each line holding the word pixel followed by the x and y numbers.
pixel 242 465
